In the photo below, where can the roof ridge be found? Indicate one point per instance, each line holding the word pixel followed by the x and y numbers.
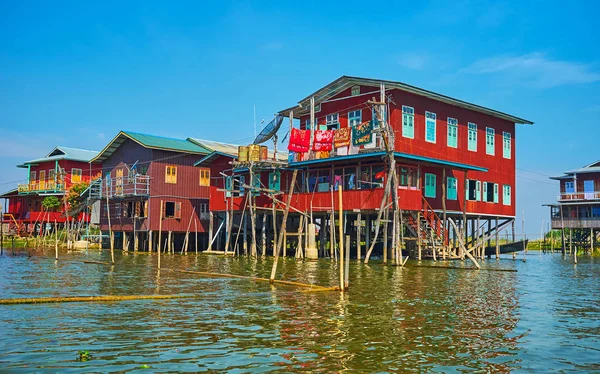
pixel 75 149
pixel 155 136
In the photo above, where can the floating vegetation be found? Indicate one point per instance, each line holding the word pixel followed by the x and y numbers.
pixel 83 356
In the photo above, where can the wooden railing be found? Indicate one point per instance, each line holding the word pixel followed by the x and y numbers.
pixel 43 186
pixel 433 220
pixel 565 196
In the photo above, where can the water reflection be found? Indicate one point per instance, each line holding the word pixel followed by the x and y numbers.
pixel 543 317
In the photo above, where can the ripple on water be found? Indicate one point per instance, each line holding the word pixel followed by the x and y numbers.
pixel 544 317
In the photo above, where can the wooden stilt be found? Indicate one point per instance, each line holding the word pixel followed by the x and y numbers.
pixel 125 244
pixel 332 250
pixel 497 241
pixel 283 223
pixel 419 245
pixel 299 251
pixel 158 248
pixel 386 216
pixel 264 234
pixel 341 229
pixel 210 230
pixel 347 263
pixel 358 228
pixel 56 243
pixel 110 232
pixel 170 241
pixel 196 235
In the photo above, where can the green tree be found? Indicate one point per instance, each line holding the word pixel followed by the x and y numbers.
pixel 50 203
pixel 75 192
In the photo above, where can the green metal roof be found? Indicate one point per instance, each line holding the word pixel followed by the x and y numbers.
pixel 153 142
pixel 63 153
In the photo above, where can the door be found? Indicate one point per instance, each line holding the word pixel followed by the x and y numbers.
pixel 42 186
pixel 588 189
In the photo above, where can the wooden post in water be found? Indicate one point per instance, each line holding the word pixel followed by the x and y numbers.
pixel 385 237
pixel 444 223
pixel 158 249
pixel 56 242
pixel 196 235
pixel 110 232
pixel 283 224
pixel 523 229
pixel 419 235
pixel 210 230
pixel 347 263
pixel 263 232
pixel 341 220
pixel 358 228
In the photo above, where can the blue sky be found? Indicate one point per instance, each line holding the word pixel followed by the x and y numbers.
pixel 75 73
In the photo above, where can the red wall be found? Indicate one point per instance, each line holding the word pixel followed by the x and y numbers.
pixel 500 170
pixel 580 179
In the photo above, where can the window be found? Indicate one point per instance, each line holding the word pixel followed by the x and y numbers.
pixel 452 132
pixel 430 127
pixel 429 185
pixel 129 212
pixel 365 177
pixel 172 210
pixel 33 176
pixel 131 175
pixel 75 175
pixel 256 184
pixel 451 189
pixel 473 190
pixel 489 141
pixel 490 192
pixel 472 137
pixel 355 90
pixel 317 108
pixel 569 187
pixel 506 146
pixel 408 122
pixel 354 118
pixel 332 121
pixel 242 182
pixel 203 208
pixel 506 198
pixel 275 181
pixel 228 185
pixel 51 174
pixel 408 177
pixel 171 174
pixel 204 177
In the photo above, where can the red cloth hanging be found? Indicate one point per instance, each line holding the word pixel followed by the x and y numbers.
pixel 299 140
pixel 323 140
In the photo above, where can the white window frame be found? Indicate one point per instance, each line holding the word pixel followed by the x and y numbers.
pixel 332 121
pixel 506 145
pixel 352 116
pixel 410 112
pixel 452 125
pixel 472 135
pixel 430 120
pixel 80 175
pixel 490 141
pixel 317 107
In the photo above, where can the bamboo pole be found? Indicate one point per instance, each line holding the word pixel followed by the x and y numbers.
pixel 347 263
pixel 187 233
pixel 299 251
pixel 264 235
pixel 56 242
pixel 210 230
pixel 283 223
pixel 196 235
pixel 332 251
pixel 341 229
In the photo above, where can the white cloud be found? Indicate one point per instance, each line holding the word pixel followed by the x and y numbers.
pixel 536 70
pixel 413 60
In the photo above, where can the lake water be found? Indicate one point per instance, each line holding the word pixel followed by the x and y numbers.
pixel 544 317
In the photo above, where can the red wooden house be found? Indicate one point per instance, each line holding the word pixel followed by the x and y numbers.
pixel 454 159
pixel 578 205
pixel 142 171
pixel 51 175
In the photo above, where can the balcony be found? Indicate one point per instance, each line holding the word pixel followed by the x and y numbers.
pixel 138 185
pixel 576 223
pixel 579 196
pixel 39 187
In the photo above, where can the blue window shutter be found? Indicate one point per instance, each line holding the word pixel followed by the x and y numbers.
pixel 429 185
pixel 228 186
pixel 496 193
pixel 275 181
pixel 478 190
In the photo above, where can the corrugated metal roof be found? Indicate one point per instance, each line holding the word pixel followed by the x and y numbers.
pixel 153 142
pixel 382 154
pixel 64 153
pixel 232 149
pixel 594 167
pixel 345 82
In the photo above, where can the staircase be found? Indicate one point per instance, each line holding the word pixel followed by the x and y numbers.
pixel 88 197
pixel 432 233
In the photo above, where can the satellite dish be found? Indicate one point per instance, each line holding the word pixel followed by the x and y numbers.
pixel 270 129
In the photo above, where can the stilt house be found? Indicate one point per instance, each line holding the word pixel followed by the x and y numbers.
pixel 52 175
pixel 578 205
pixel 152 195
pixel 454 164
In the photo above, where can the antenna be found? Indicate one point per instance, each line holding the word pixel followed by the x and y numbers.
pixel 269 130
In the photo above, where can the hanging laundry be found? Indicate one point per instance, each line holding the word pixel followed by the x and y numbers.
pixel 338 180
pixel 323 140
pixel 341 138
pixel 362 133
pixel 299 140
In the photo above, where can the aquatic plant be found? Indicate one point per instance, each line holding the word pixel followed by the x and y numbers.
pixel 83 356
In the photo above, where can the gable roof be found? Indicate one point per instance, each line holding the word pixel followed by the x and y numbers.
pixel 345 82
pixel 594 167
pixel 63 153
pixel 152 142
